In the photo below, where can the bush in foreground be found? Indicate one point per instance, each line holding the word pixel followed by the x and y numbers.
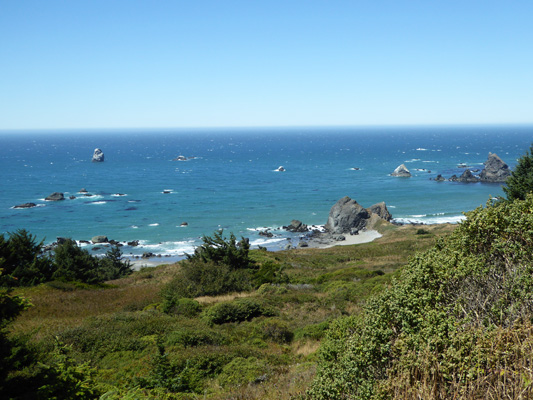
pixel 441 330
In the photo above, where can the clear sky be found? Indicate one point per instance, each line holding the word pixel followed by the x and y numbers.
pixel 195 63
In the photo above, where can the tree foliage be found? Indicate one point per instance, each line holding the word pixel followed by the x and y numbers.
pixel 220 265
pixel 437 319
pixel 223 251
pixel 25 263
pixel 520 183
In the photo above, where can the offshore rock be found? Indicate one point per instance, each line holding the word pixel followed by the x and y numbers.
pixel 26 205
pixel 296 226
pixel 98 155
pixel 468 177
pixel 440 178
pixel 56 196
pixel 99 239
pixel 346 216
pixel 401 171
pixel 381 210
pixel 495 170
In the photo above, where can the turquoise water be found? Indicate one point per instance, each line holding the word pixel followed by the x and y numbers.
pixel 231 180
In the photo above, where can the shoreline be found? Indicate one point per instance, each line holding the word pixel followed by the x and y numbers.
pixel 318 241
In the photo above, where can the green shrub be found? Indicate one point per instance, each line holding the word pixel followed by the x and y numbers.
pixel 241 371
pixel 188 337
pixel 235 311
pixel 276 330
pixel 478 279
pixel 218 266
pixel 186 307
pixel 314 331
pixel 270 272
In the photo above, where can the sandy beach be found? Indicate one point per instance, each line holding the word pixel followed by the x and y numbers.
pixel 325 241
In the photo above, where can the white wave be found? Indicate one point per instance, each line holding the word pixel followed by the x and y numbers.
pixel 118 194
pixel 178 248
pixel 412 160
pixel 391 206
pixel 92 196
pixel 134 227
pixel 261 228
pixel 430 220
pixel 154 224
pixel 263 242
pixel 421 149
pixel 97 202
pixel 419 216
pixel 431 162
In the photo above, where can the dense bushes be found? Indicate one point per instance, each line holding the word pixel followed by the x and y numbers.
pixel 24 263
pixel 431 331
pixel 236 311
pixel 220 265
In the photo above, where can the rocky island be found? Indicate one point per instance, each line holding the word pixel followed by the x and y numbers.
pixel 98 156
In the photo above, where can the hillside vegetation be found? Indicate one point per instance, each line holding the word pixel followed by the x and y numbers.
pixel 145 336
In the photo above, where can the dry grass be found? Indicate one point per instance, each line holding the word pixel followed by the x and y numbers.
pixel 288 384
pixel 54 310
pixel 506 373
pixel 305 348
pixel 222 298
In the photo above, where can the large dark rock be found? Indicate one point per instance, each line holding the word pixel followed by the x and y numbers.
pixel 495 170
pixel 26 205
pixel 401 171
pixel 56 196
pixel 98 155
pixel 296 226
pixel 380 209
pixel 346 216
pixel 468 177
pixel 99 239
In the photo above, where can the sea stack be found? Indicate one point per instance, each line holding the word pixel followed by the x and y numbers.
pixel 401 171
pixel 98 155
pixel 495 170
pixel 56 196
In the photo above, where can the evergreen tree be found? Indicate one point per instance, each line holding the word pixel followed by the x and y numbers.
pixel 520 183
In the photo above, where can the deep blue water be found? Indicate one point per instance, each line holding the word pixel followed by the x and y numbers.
pixel 231 182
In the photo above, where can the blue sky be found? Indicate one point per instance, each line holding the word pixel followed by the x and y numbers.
pixel 159 63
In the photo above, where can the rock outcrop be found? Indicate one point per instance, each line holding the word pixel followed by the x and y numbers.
pixel 296 226
pixel 346 216
pixel 467 177
pixel 98 155
pixel 56 196
pixel 380 209
pixel 401 171
pixel 495 170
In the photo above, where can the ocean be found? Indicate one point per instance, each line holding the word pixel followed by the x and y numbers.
pixel 230 181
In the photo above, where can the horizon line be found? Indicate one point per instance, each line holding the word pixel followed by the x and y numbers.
pixel 366 126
